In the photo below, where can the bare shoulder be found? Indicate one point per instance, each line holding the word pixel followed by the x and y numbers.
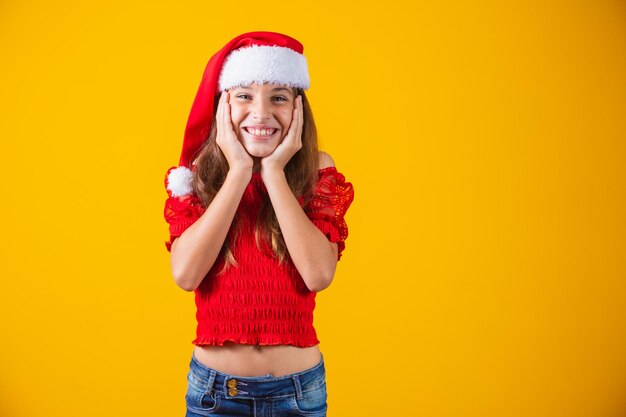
pixel 325 160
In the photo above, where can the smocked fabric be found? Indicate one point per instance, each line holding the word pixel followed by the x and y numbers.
pixel 260 301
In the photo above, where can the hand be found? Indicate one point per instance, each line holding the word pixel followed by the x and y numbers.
pixel 290 144
pixel 227 140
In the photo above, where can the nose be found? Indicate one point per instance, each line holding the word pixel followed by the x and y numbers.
pixel 261 110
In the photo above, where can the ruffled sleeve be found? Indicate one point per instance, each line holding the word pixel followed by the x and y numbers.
pixel 331 198
pixel 181 211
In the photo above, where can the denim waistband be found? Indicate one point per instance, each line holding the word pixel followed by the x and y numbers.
pixel 235 386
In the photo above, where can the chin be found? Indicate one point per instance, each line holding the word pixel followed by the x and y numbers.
pixel 259 151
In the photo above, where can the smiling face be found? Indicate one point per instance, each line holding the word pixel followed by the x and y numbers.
pixel 261 115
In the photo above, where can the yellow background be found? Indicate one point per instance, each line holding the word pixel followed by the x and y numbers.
pixel 484 271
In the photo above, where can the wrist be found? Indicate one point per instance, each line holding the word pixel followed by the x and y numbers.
pixel 271 166
pixel 272 174
pixel 240 172
pixel 272 170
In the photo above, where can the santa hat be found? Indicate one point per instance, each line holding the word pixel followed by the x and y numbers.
pixel 251 57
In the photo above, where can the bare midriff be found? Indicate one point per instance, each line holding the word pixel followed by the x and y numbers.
pixel 254 360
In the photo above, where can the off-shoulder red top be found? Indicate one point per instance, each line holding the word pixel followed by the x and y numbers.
pixel 261 302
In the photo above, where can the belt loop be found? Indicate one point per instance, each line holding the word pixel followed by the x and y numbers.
pixel 209 385
pixel 296 382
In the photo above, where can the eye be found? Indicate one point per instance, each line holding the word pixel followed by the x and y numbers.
pixel 276 98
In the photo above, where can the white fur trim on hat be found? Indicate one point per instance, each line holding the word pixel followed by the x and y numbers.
pixel 260 64
pixel 180 181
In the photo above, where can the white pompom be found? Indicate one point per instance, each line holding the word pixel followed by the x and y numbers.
pixel 179 181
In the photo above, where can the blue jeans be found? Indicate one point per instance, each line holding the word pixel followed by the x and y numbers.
pixel 213 393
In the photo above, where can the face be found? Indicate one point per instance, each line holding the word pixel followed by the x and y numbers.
pixel 261 115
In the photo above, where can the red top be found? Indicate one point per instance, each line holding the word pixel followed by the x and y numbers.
pixel 261 302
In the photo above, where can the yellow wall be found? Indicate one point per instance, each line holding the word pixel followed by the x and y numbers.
pixel 484 272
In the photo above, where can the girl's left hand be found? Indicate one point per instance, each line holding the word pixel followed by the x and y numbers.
pixel 290 144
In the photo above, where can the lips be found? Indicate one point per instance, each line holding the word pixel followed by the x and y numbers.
pixel 260 133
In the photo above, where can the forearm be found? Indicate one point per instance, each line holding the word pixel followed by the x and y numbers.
pixel 195 251
pixel 313 255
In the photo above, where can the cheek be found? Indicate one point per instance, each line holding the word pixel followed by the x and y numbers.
pixel 236 116
pixel 285 117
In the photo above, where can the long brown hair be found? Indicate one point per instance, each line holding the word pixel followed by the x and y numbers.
pixel 301 173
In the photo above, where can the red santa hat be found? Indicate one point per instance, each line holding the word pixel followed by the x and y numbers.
pixel 261 57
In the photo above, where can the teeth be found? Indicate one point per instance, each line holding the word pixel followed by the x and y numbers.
pixel 261 132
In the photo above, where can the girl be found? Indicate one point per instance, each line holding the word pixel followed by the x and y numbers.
pixel 256 229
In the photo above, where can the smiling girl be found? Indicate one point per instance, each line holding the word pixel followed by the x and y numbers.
pixel 256 219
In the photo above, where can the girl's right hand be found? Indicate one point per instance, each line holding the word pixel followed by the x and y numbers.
pixel 226 139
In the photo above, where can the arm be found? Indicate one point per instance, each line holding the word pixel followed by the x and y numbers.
pixel 313 255
pixel 195 251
